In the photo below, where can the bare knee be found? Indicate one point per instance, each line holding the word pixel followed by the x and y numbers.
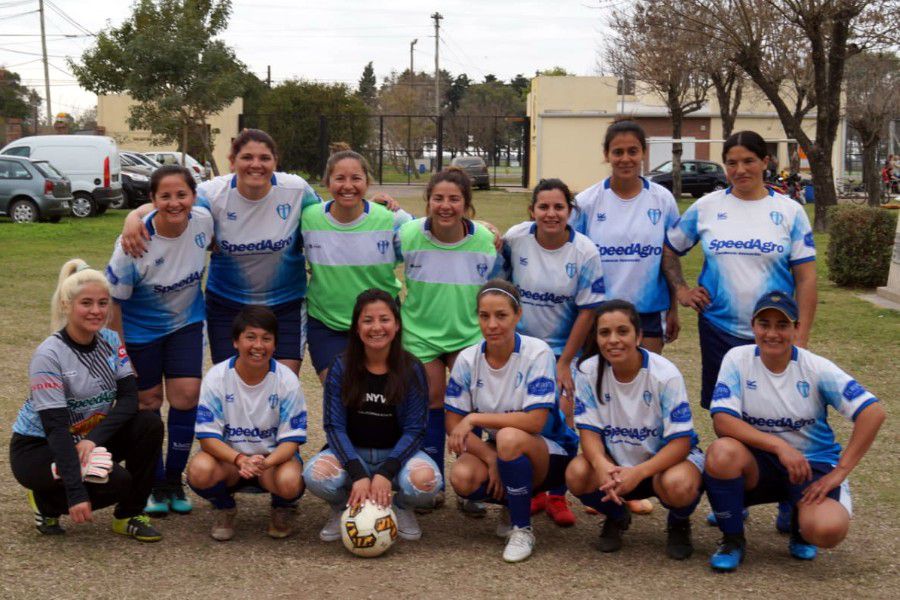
pixel 678 490
pixel 511 443
pixel 201 471
pixel 421 475
pixel 723 458
pixel 463 479
pixel 578 476
pixel 824 532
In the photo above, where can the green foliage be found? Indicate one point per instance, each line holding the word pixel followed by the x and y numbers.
pixel 368 87
pixel 862 239
pixel 556 71
pixel 14 97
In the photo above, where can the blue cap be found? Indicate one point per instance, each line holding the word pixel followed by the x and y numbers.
pixel 780 301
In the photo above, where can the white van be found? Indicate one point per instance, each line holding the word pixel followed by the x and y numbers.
pixel 91 162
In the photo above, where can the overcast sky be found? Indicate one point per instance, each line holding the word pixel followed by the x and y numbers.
pixel 329 40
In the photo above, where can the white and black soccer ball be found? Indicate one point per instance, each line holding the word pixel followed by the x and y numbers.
pixel 368 530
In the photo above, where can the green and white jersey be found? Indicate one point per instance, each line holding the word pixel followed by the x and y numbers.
pixel 442 282
pixel 348 258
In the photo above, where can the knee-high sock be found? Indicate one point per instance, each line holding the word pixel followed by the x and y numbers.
pixel 609 508
pixel 218 495
pixel 181 436
pixel 558 491
pixel 281 502
pixel 159 475
pixel 435 433
pixel 516 475
pixel 683 513
pixel 727 499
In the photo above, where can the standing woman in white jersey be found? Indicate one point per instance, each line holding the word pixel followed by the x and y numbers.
pixel 505 385
pixel 770 411
pixel 258 255
pixel 446 258
pixel 637 434
pixel 558 274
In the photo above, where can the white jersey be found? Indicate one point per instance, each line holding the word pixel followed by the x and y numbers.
pixel 258 257
pixel 251 419
pixel 553 284
pixel 635 419
pixel 160 292
pixel 629 235
pixel 791 405
pixel 749 249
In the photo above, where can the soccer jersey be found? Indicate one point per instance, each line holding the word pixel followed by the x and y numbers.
pixel 252 419
pixel 526 382
pixel 792 404
pixel 749 249
pixel 160 292
pixel 348 258
pixel 553 284
pixel 81 380
pixel 258 257
pixel 629 235
pixel 442 282
pixel 635 419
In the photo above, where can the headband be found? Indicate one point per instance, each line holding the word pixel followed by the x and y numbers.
pixel 494 289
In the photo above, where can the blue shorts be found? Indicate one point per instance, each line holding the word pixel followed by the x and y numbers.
pixel 714 344
pixel 774 485
pixel 652 324
pixel 220 314
pixel 325 343
pixel 178 354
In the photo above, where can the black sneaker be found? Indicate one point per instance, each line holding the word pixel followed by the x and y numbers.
pixel 138 527
pixel 45 524
pixel 678 540
pixel 611 535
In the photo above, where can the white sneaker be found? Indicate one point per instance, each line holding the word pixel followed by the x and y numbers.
pixel 519 545
pixel 332 530
pixel 504 527
pixel 407 525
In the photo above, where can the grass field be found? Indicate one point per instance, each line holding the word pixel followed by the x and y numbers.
pixel 457 557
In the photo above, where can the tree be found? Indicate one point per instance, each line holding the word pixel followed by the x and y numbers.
pixel 482 104
pixel 556 71
pixel 795 51
pixel 13 96
pixel 368 87
pixel 873 98
pixel 727 81
pixel 666 59
pixel 166 57
pixel 522 85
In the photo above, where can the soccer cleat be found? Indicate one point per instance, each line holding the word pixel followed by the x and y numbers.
pixel 178 501
pixel 783 520
pixel 331 532
pixel 223 524
pixel 471 508
pixel 801 549
pixel 504 527
pixel 519 544
pixel 713 522
pixel 539 503
pixel 611 534
pixel 407 525
pixel 729 554
pixel 158 502
pixel 281 522
pixel 678 540
pixel 439 500
pixel 639 507
pixel 559 511
pixel 46 525
pixel 138 527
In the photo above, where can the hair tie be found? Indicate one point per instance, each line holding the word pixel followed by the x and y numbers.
pixel 494 289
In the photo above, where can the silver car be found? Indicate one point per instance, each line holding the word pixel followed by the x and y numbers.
pixel 33 191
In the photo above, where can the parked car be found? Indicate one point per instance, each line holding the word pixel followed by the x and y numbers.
pixel 698 177
pixel 174 158
pixel 90 162
pixel 139 158
pixel 33 191
pixel 135 181
pixel 475 168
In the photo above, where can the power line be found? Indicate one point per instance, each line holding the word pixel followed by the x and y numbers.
pixel 72 21
pixel 31 53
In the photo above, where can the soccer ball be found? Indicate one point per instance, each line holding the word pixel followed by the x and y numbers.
pixel 368 530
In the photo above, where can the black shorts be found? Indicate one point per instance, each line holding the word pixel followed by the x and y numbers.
pixel 774 485
pixel 220 314
pixel 178 354
pixel 325 343
pixel 652 324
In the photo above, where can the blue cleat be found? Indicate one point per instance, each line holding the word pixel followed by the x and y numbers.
pixel 783 520
pixel 801 549
pixel 712 522
pixel 178 501
pixel 729 554
pixel 157 503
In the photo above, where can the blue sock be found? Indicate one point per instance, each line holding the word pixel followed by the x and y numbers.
pixel 159 474
pixel 610 509
pixel 435 433
pixel 683 513
pixel 558 491
pixel 181 436
pixel 280 502
pixel 479 494
pixel 516 475
pixel 218 495
pixel 726 496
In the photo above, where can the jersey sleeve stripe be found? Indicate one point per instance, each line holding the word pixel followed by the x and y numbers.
pixel 453 409
pixel 679 434
pixel 295 438
pixel 589 428
pixel 727 411
pixel 871 400
pixel 203 436
pixel 545 405
pixel 591 305
pixel 800 261
pixel 674 249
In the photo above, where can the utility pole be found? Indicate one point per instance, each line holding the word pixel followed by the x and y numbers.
pixel 46 69
pixel 437 71
pixel 411 70
pixel 269 76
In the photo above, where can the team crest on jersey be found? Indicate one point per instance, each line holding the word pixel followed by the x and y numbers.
pixel 655 215
pixel 482 269
pixel 200 240
pixel 273 400
pixel 382 246
pixel 283 211
pixel 601 217
pixel 648 397
pixel 776 217
pixel 803 388
pixel 570 270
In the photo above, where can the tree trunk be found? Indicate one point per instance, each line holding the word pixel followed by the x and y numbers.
pixel 871 172
pixel 823 184
pixel 676 153
pixel 184 142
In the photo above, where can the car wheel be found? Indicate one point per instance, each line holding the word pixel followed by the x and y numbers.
pixel 83 205
pixel 24 211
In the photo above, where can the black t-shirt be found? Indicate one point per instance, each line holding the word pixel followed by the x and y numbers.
pixel 374 424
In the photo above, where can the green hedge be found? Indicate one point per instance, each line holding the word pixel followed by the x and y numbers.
pixel 860 246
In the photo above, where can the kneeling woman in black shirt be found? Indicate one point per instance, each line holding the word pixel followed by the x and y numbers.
pixel 375 410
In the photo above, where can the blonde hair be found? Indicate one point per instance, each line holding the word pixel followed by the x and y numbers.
pixel 73 276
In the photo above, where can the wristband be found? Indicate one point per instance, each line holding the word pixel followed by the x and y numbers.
pixel 236 457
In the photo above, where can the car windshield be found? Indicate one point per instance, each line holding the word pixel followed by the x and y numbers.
pixel 666 167
pixel 47 170
pixel 145 159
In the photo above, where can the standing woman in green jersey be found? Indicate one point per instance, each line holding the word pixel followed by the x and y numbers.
pixel 349 246
pixel 447 257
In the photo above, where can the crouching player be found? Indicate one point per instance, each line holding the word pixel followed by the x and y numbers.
pixel 775 444
pixel 637 434
pixel 506 385
pixel 250 421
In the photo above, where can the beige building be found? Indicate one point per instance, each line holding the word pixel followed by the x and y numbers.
pixel 569 116
pixel 113 112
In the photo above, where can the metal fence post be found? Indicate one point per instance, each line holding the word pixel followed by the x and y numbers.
pixel 526 151
pixel 323 143
pixel 380 149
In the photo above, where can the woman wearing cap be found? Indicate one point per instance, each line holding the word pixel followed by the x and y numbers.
pixel 769 410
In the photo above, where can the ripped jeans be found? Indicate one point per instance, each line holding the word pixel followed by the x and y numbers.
pixel 326 478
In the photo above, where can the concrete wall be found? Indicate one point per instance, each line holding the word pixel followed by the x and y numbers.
pixel 113 112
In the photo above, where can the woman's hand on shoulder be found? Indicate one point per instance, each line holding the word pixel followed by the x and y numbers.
pixel 380 491
pixel 81 512
pixel 134 235
pixel 386 200
pixel 360 491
